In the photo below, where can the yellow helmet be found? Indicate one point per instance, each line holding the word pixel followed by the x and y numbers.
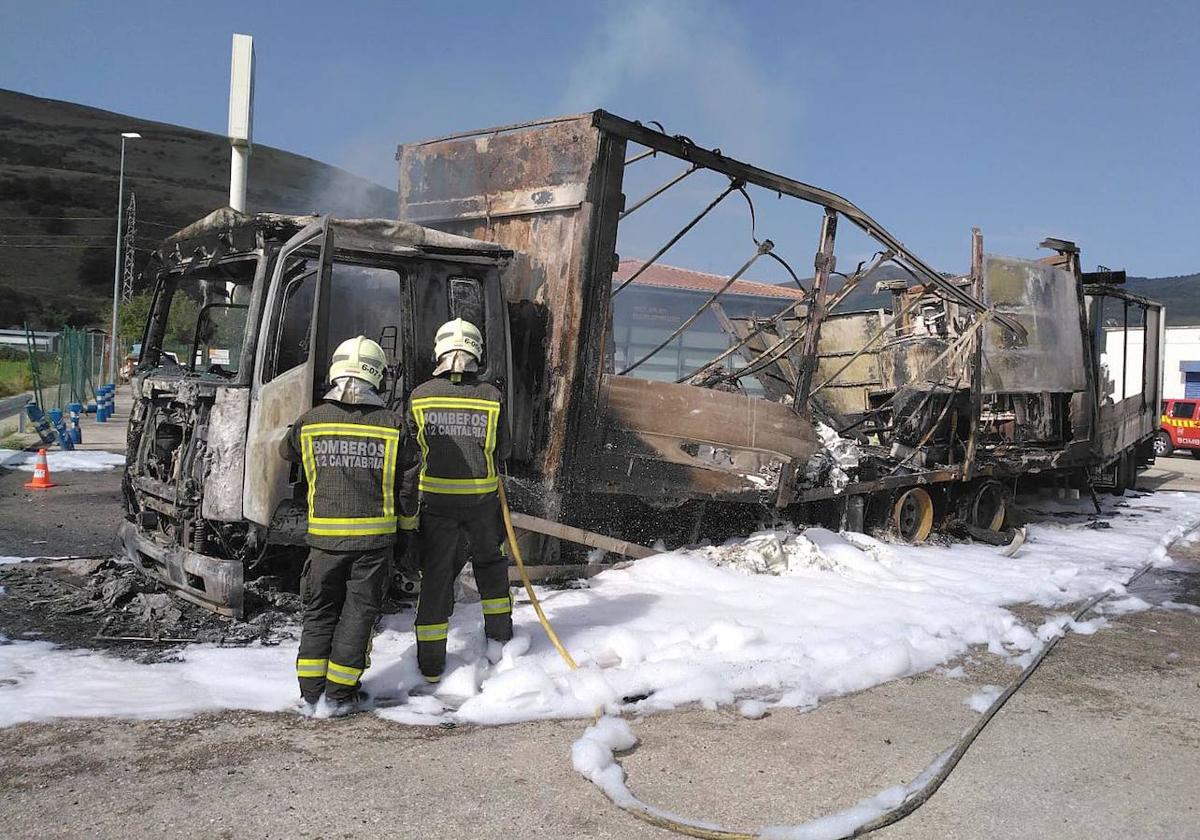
pixel 361 358
pixel 458 335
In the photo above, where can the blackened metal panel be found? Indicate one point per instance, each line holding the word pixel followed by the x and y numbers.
pixel 544 191
pixel 1046 301
pixel 664 440
pixel 842 336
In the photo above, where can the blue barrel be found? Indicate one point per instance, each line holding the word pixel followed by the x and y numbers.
pixel 102 410
pixel 60 428
pixel 40 423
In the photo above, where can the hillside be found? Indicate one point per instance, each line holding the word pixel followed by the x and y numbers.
pixel 58 196
pixel 1181 295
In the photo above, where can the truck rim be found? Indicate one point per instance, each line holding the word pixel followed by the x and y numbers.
pixel 912 515
pixel 989 507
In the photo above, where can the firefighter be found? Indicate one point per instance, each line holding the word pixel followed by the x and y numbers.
pixel 458 423
pixel 360 477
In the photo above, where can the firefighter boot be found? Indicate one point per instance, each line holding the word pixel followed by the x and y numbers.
pixel 356 701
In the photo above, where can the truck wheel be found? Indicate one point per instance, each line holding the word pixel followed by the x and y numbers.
pixel 1163 447
pixel 1195 453
pixel 989 506
pixel 912 515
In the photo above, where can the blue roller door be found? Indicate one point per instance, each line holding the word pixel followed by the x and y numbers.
pixel 1191 385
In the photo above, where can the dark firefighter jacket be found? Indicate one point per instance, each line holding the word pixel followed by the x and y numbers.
pixel 360 472
pixel 458 423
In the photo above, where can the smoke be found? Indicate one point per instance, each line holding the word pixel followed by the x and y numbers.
pixel 293 184
pixel 348 196
pixel 691 66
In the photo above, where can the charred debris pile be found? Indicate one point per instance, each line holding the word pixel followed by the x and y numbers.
pixel 107 603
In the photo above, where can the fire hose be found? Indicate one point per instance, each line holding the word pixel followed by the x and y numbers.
pixel 932 778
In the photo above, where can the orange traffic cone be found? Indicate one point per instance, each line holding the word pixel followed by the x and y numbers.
pixel 41 473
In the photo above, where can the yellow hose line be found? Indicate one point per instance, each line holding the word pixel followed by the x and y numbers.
pixel 533 598
pixel 641 813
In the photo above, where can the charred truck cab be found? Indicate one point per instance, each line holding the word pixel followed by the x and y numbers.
pixel 246 311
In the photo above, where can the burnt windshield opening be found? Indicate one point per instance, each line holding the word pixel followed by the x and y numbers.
pixel 199 321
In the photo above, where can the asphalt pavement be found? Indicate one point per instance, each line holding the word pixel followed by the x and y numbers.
pixel 1175 472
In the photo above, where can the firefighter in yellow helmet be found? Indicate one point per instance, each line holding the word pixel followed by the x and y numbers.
pixel 458 422
pixel 361 480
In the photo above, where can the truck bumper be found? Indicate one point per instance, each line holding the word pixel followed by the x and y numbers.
pixel 210 582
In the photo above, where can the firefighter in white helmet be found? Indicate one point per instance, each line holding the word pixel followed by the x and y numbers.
pixel 361 480
pixel 458 422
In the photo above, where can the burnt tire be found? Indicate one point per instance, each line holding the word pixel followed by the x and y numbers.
pixel 1163 446
pixel 989 506
pixel 912 515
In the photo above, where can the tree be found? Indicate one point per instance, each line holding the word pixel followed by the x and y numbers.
pixel 181 320
pixel 133 316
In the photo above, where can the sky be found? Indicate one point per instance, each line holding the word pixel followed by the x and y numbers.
pixel 1027 119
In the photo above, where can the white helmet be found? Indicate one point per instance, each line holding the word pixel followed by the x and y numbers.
pixel 361 358
pixel 458 335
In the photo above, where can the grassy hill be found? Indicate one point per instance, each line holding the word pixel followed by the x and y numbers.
pixel 58 197
pixel 1181 295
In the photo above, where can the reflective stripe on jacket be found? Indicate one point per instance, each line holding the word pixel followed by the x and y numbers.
pixel 459 426
pixel 359 474
pixel 360 456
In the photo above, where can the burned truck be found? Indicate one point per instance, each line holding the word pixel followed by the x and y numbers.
pixel 960 387
pixel 245 313
pixel 904 417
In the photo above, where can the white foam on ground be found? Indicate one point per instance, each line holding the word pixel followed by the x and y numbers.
pixel 1180 607
pixel 843 613
pixel 985 697
pixel 77 460
pixel 39 681
pixel 7 559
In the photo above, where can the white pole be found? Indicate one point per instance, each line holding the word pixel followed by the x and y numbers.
pixel 239 164
pixel 241 117
pixel 112 353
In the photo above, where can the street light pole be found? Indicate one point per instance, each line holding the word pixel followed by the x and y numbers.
pixel 112 352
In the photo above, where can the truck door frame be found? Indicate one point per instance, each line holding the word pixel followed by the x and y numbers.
pixel 275 404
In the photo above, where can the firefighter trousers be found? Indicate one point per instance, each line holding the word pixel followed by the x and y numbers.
pixel 443 555
pixel 342 593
